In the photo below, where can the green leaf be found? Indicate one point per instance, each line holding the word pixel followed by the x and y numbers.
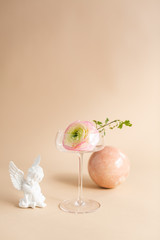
pixel 120 125
pixel 101 130
pixel 99 123
pixel 107 120
pixel 95 121
pixel 127 123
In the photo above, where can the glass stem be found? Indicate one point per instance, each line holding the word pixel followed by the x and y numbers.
pixel 80 178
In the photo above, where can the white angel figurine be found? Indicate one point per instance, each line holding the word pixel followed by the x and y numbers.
pixel 30 186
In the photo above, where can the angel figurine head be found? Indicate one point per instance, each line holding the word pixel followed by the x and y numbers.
pixel 35 173
pixel 30 186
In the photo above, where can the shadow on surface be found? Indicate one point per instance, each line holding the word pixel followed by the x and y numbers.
pixel 9 201
pixel 72 179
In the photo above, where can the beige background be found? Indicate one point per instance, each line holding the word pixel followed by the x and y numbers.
pixel 80 59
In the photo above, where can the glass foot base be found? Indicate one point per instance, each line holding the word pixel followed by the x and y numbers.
pixel 74 206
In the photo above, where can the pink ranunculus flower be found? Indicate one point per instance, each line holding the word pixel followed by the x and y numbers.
pixel 81 136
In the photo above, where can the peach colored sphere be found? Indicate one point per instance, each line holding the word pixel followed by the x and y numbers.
pixel 108 167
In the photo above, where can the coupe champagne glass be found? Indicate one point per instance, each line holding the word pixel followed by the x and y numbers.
pixel 79 205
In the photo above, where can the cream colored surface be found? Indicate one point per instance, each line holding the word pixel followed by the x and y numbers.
pixel 66 60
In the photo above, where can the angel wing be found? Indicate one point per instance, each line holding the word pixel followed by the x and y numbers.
pixel 16 175
pixel 37 161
